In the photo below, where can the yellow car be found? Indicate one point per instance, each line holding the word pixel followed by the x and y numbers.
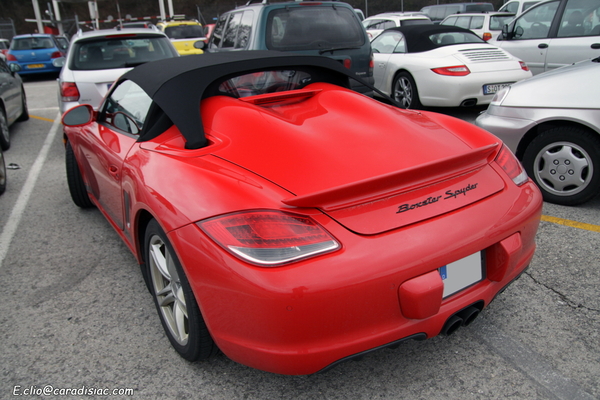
pixel 183 35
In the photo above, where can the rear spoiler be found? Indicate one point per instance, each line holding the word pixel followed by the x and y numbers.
pixel 397 182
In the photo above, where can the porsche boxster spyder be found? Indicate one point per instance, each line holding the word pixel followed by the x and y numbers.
pixel 291 222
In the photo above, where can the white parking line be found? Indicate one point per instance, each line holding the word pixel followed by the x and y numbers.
pixel 8 232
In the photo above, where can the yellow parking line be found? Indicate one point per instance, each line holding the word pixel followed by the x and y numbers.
pixel 42 118
pixel 573 224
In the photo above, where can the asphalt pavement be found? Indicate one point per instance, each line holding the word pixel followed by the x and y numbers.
pixel 76 320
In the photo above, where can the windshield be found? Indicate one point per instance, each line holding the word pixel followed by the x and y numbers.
pixel 313 28
pixel 103 53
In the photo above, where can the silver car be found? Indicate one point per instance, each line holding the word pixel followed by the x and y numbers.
pixel 552 123
pixel 97 58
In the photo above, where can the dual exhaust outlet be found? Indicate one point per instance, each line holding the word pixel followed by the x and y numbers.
pixel 462 318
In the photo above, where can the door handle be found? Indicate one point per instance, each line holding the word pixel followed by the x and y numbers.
pixel 543 45
pixel 595 46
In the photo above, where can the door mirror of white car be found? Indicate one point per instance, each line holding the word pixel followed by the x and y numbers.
pixel 79 115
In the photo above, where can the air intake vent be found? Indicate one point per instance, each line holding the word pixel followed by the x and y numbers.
pixel 482 55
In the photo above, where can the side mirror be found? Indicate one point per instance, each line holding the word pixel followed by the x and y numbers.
pixel 78 116
pixel 519 32
pixel 200 44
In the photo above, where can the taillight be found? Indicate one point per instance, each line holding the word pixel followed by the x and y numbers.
pixel 69 91
pixel 457 70
pixel 56 54
pixel 487 36
pixel 11 57
pixel 524 66
pixel 509 164
pixel 348 63
pixel 269 238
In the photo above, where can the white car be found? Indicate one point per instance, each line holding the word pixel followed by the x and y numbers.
pixel 518 6
pixel 441 66
pixel 487 26
pixel 97 58
pixel 552 123
pixel 376 24
pixel 554 33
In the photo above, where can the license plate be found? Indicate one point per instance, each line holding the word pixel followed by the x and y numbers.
pixel 462 273
pixel 32 66
pixel 492 89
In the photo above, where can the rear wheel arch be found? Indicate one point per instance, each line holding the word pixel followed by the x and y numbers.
pixel 403 72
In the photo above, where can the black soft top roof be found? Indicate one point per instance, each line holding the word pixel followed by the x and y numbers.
pixel 177 85
pixel 417 36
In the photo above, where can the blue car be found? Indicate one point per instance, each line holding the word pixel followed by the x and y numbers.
pixel 36 54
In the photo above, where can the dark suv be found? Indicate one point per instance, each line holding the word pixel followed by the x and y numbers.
pixel 329 28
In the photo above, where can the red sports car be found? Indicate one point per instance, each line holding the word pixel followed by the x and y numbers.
pixel 290 222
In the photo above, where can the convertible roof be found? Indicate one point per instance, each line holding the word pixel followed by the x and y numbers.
pixel 177 85
pixel 417 36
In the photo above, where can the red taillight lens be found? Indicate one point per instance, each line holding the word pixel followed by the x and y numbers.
pixel 56 54
pixel 524 66
pixel 457 70
pixel 509 164
pixel 69 91
pixel 487 36
pixel 348 63
pixel 11 57
pixel 269 238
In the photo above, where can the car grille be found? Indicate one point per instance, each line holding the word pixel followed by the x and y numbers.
pixel 478 55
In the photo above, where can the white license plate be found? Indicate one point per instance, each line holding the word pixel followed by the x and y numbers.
pixel 492 89
pixel 462 273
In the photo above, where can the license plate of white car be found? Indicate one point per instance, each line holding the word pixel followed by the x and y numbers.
pixel 492 89
pixel 462 273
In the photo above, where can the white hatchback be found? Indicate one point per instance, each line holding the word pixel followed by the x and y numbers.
pixel 376 24
pixel 97 58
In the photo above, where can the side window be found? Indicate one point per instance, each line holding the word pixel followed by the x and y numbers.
pixel 535 23
pixel 388 24
pixel 372 24
pixel 580 18
pixel 126 108
pixel 231 30
pixel 463 22
pixel 217 35
pixel 451 21
pixel 476 23
pixel 387 42
pixel 245 30
pixel 3 67
pixel 512 7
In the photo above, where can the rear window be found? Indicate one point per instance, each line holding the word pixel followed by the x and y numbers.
pixel 104 53
pixel 449 38
pixel 184 31
pixel 32 43
pixel 313 28
pixel 408 22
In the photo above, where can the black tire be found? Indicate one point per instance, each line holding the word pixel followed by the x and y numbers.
pixel 4 132
pixel 79 193
pixel 175 302
pixel 25 114
pixel 404 91
pixel 565 164
pixel 2 173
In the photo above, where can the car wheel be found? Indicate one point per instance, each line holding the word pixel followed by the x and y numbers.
pixel 176 305
pixel 404 91
pixel 4 133
pixel 79 193
pixel 565 163
pixel 25 114
pixel 2 173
